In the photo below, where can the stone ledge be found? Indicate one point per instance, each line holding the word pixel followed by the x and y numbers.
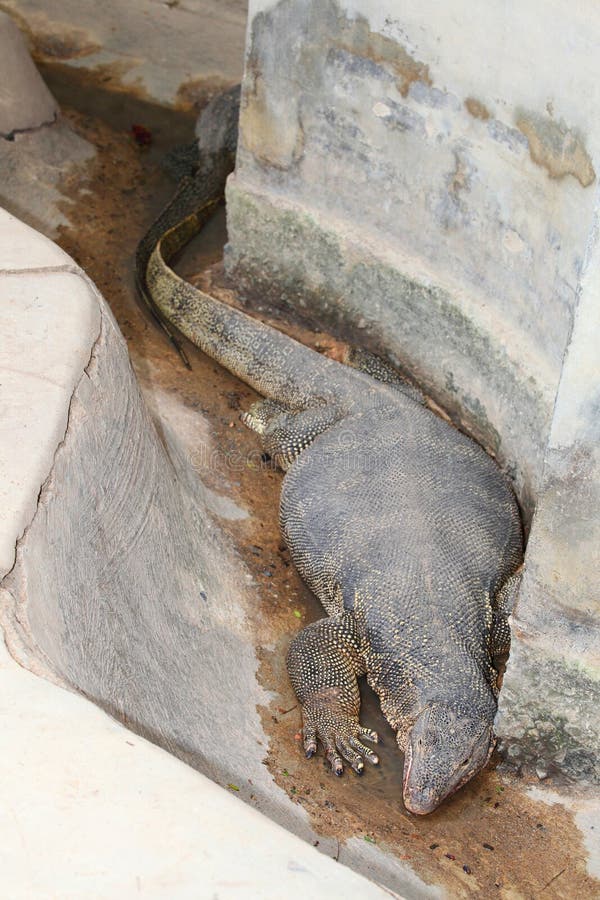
pixel 115 523
pixel 91 810
pixel 23 249
pixel 174 54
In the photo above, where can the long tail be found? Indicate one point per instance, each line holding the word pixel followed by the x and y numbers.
pixel 272 363
pixel 194 201
pixel 275 365
pixel 204 167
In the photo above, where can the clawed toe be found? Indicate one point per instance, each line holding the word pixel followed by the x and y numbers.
pixel 362 750
pixel 336 763
pixel 310 742
pixel 369 735
pixel 342 745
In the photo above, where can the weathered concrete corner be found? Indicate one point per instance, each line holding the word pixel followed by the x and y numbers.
pixel 391 154
pixel 27 103
pixel 123 588
pixel 551 696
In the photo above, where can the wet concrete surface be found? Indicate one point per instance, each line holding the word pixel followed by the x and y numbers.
pixel 491 838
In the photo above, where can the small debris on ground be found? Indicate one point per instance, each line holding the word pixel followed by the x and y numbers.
pixel 141 135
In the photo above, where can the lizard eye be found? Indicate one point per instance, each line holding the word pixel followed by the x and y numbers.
pixel 464 763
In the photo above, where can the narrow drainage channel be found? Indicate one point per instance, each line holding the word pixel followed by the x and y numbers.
pixel 490 839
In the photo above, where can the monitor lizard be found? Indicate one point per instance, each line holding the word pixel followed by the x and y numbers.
pixel 405 529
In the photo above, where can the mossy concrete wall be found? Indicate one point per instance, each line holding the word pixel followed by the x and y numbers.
pixel 424 180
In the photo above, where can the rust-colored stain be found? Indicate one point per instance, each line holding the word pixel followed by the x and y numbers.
pixel 53 41
pixel 104 77
pixel 274 140
pixel 104 86
pixel 64 44
pixel 357 38
pixel 476 108
pixel 559 149
pixel 459 179
pixel 194 94
pixel 490 839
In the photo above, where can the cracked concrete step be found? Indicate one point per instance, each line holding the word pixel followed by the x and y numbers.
pixel 49 319
pixel 88 808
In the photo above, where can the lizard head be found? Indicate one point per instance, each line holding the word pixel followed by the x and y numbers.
pixel 446 747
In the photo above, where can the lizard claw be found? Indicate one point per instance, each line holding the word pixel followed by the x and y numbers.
pixel 369 735
pixel 310 741
pixel 335 761
pixel 341 742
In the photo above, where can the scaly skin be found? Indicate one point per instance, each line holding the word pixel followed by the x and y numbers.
pixel 404 528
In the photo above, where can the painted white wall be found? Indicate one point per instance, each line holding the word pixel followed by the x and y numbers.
pixel 510 53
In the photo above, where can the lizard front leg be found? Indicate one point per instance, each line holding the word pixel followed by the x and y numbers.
pixel 324 662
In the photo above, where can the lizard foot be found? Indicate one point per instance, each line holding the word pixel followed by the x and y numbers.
pixel 259 415
pixel 341 738
pixel 286 433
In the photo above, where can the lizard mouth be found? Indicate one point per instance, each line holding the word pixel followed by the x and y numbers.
pixel 407 767
pixel 423 801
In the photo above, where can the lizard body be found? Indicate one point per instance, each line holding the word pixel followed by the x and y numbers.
pixel 405 529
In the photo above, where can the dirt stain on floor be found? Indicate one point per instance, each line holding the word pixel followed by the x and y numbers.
pixel 490 839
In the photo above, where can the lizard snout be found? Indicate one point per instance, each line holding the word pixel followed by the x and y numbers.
pixel 421 802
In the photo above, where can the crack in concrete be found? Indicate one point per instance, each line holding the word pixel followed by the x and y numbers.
pixel 18 636
pixel 66 268
pixel 10 136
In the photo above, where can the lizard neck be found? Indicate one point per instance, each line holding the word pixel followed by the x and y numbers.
pixel 408 685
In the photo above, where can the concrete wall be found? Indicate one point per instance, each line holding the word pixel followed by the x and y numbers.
pixel 433 184
pixel 423 178
pixel 551 695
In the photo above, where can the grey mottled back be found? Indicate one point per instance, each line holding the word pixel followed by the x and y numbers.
pixel 409 524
